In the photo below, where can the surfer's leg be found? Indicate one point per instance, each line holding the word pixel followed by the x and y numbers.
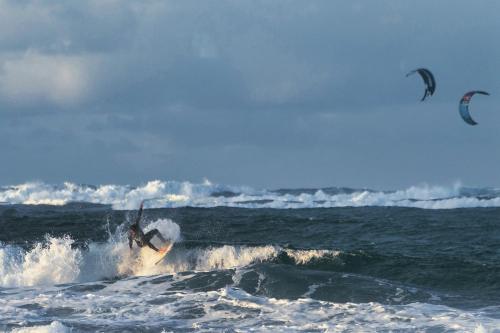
pixel 150 234
pixel 152 246
pixel 160 236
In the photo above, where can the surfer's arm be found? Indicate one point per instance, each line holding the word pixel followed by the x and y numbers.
pixel 139 214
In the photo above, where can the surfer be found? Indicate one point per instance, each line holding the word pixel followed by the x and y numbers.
pixel 136 234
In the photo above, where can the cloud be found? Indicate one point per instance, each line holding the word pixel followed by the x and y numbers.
pixel 235 56
pixel 35 78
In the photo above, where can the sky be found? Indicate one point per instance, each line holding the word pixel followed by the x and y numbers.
pixel 260 93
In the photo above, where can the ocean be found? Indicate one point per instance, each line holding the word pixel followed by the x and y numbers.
pixel 421 259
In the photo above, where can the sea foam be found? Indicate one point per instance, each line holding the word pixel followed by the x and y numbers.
pixel 171 194
pixel 54 327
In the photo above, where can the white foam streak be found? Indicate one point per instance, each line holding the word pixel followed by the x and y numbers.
pixel 54 327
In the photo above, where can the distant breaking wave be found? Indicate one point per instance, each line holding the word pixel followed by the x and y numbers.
pixel 171 194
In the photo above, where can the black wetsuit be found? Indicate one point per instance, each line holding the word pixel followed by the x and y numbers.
pixel 136 234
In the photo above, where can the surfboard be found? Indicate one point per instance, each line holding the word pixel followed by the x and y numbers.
pixel 164 251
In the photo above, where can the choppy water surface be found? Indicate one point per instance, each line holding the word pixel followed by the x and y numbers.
pixel 67 267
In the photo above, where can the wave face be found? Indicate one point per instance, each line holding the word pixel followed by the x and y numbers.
pixel 69 269
pixel 172 194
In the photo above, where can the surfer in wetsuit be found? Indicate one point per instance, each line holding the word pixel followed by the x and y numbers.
pixel 136 234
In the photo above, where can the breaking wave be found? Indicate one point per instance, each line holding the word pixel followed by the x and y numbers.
pixel 57 261
pixel 170 194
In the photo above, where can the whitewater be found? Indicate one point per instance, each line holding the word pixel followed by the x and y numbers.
pixel 171 194
pixel 287 260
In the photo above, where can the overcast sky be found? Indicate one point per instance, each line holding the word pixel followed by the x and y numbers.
pixel 261 93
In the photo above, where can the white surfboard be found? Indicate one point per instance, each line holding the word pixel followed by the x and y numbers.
pixel 164 251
